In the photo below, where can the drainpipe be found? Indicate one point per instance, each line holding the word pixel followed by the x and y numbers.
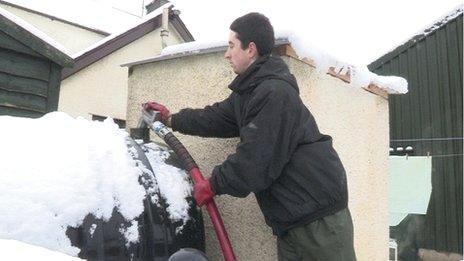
pixel 164 27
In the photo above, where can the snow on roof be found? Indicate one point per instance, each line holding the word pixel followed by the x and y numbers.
pixel 443 20
pixel 33 30
pixel 146 18
pixel 56 170
pixel 324 62
pixel 88 13
pixel 360 75
pixel 191 47
pixel 428 29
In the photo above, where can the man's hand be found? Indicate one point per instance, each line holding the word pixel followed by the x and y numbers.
pixel 164 113
pixel 202 192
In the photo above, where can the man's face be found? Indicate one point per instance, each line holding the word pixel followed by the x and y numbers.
pixel 238 58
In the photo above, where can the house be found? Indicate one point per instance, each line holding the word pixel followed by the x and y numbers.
pixel 355 115
pixel 30 68
pixel 63 25
pixel 428 121
pixel 96 87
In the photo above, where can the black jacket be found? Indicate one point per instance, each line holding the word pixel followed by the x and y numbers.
pixel 282 157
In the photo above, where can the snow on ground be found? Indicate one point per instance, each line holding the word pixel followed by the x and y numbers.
pixel 19 251
pixel 56 170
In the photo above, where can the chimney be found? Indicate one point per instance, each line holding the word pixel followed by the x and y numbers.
pixel 164 27
pixel 155 4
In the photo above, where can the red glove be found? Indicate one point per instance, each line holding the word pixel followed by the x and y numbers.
pixel 202 192
pixel 163 111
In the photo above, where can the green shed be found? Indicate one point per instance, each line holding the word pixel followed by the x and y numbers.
pixel 428 121
pixel 30 68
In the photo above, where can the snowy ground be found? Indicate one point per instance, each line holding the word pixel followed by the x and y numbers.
pixel 16 250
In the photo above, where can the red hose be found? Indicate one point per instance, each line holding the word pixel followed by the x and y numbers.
pixel 216 220
pixel 196 175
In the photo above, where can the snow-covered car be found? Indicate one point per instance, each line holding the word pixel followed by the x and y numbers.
pixel 161 231
pixel 87 189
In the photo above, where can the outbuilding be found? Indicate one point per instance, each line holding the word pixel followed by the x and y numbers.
pixel 355 114
pixel 427 123
pixel 30 68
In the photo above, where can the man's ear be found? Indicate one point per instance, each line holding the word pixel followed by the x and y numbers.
pixel 252 50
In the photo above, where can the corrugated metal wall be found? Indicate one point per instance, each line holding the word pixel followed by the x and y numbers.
pixel 429 118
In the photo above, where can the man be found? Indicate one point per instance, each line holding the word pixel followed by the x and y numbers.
pixel 295 173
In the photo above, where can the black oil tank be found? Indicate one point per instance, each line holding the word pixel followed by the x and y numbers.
pixel 158 239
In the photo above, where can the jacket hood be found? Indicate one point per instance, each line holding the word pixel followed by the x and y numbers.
pixel 264 68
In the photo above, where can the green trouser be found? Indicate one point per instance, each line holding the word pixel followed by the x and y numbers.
pixel 326 239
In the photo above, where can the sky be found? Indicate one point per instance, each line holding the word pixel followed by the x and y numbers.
pixel 355 32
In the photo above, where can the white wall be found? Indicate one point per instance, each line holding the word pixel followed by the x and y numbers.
pixel 73 38
pixel 101 88
pixel 356 119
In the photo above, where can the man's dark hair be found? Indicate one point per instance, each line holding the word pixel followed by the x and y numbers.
pixel 254 27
